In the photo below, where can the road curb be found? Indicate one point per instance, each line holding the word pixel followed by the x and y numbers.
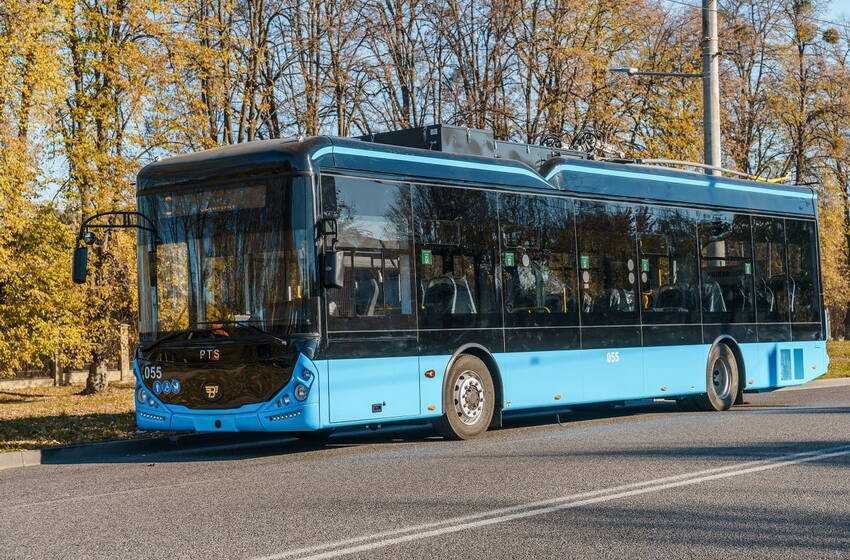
pixel 104 451
pixel 14 459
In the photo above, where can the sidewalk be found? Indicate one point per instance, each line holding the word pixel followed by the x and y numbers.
pixel 819 384
pixel 116 450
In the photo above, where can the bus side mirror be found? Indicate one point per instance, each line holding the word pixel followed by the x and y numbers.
pixel 81 263
pixel 332 269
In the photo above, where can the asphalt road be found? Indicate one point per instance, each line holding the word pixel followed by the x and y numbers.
pixel 766 480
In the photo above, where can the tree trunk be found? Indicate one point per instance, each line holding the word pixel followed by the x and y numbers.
pixel 98 379
pixel 846 332
pixel 56 370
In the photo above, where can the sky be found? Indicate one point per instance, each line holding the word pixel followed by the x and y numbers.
pixel 839 8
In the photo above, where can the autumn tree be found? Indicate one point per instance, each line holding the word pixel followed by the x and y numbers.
pixel 106 67
pixel 91 90
pixel 405 90
pixel 38 310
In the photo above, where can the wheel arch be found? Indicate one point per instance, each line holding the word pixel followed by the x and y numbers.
pixel 485 356
pixel 733 345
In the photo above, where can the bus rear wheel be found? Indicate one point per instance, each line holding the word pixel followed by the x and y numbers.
pixel 721 380
pixel 469 399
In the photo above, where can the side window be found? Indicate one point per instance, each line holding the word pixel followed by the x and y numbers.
pixel 456 257
pixel 374 225
pixel 669 271
pixel 803 271
pixel 726 265
pixel 607 266
pixel 538 261
pixel 771 279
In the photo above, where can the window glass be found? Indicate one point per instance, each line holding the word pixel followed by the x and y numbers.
pixel 242 253
pixel 373 221
pixel 726 264
pixel 607 265
pixel 771 279
pixel 538 260
pixel 669 274
pixel 803 271
pixel 456 257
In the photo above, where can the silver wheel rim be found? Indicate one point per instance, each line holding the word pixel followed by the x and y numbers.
pixel 468 397
pixel 721 378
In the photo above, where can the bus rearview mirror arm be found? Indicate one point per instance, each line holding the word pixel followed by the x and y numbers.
pixel 127 220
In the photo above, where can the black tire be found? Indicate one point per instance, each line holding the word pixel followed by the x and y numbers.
pixel 469 399
pixel 721 380
pixel 317 436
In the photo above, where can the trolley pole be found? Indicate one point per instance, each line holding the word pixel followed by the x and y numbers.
pixel 710 86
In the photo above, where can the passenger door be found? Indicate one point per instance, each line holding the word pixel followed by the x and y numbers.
pixel 373 365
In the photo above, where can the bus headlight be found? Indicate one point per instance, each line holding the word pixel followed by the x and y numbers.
pixel 141 395
pixel 301 391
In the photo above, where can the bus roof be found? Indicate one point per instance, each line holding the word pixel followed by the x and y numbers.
pixel 569 175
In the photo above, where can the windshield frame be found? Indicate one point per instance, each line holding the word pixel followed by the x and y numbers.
pixel 300 211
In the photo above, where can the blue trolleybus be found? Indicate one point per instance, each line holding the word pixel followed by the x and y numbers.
pixel 437 274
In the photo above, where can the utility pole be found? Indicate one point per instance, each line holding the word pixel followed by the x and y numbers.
pixel 710 86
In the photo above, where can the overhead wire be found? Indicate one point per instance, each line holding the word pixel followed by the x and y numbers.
pixel 719 10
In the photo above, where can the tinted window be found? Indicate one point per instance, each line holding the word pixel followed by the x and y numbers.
pixel 727 268
pixel 607 265
pixel 374 232
pixel 771 279
pixel 803 271
pixel 456 257
pixel 669 271
pixel 538 261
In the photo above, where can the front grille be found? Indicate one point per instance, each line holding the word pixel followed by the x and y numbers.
pixel 219 375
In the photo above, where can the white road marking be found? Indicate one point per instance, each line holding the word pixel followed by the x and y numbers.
pixel 502 515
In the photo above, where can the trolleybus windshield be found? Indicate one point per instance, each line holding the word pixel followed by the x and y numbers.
pixel 237 253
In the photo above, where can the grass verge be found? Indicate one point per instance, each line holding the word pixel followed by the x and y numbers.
pixel 839 359
pixel 49 416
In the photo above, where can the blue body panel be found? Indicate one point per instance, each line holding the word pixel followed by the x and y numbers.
pixel 343 391
pixel 575 177
pixel 773 365
pixel 677 187
pixel 356 385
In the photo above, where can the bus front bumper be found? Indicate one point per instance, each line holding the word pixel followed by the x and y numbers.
pixel 283 413
pixel 270 419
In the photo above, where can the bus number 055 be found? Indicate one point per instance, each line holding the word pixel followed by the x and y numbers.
pixel 612 357
pixel 152 372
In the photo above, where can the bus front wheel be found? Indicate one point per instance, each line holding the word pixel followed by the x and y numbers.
pixel 721 380
pixel 469 399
